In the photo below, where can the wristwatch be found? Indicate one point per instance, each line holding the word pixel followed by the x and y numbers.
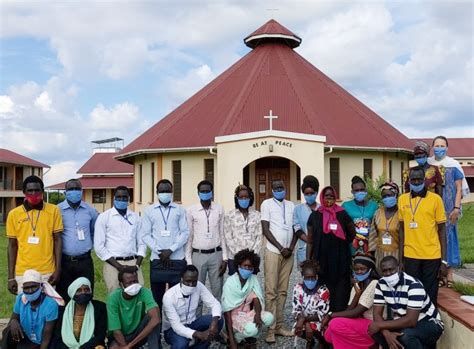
pixel 444 262
pixel 330 314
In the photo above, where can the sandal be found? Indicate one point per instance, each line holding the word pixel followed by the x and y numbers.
pixel 441 283
pixel 450 284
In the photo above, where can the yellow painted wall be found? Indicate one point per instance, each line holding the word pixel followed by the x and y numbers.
pixel 456 335
pixel 87 197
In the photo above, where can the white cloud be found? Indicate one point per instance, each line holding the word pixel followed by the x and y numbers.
pixel 6 105
pixel 120 117
pixel 61 172
pixel 43 101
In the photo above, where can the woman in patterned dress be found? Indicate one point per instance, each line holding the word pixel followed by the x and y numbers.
pixel 384 231
pixel 310 305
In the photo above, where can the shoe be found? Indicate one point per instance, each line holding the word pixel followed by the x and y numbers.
pixel 270 338
pixel 284 332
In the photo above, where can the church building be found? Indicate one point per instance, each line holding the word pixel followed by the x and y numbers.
pixel 271 115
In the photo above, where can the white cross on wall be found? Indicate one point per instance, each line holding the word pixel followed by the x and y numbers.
pixel 271 117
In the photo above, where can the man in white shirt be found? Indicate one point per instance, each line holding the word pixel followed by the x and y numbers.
pixel 277 227
pixel 181 327
pixel 206 248
pixel 117 240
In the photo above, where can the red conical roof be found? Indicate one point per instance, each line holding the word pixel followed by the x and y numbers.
pixel 271 76
pixel 272 31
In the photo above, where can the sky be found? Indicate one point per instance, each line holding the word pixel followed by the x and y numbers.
pixel 75 71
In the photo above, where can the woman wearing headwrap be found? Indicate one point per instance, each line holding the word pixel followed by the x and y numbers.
pixel 34 314
pixel 309 188
pixel 330 233
pixel 433 177
pixel 455 188
pixel 348 329
pixel 84 321
pixel 384 231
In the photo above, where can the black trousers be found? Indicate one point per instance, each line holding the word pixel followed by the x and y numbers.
pixel 425 270
pixel 162 275
pixel 73 269
pixel 339 291
pixel 8 342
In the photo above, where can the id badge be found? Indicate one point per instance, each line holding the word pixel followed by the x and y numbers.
pixel 242 314
pixel 208 236
pixel 33 240
pixel 386 239
pixel 165 233
pixel 333 226
pixel 80 234
pixel 413 225
pixel 364 231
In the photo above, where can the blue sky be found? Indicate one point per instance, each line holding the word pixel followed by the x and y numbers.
pixel 71 72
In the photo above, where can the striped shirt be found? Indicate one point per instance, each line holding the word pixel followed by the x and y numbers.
pixel 408 293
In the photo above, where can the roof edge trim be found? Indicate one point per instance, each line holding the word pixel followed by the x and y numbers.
pixel 351 147
pixel 269 133
pixel 162 150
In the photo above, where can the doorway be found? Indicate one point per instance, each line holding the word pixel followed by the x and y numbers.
pixel 268 170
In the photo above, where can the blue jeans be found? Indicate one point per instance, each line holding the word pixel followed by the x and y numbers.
pixel 300 251
pixel 424 335
pixel 200 324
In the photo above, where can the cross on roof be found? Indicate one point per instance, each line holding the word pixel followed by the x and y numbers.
pixel 271 117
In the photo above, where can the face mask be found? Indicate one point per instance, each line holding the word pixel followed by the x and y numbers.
pixel 245 273
pixel 392 280
pixel 417 188
pixel 362 277
pixel 329 202
pixel 31 297
pixel 187 290
pixel 205 196
pixel 440 152
pixel 421 161
pixel 310 199
pixel 34 199
pixel 74 196
pixel 279 195
pixel 360 195
pixel 120 205
pixel 244 203
pixel 389 201
pixel 133 289
pixel 310 284
pixel 83 298
pixel 164 197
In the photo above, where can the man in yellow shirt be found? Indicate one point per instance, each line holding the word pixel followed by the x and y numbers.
pixel 423 233
pixel 34 239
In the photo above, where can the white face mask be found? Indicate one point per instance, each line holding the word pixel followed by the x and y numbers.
pixel 133 289
pixel 187 290
pixel 392 280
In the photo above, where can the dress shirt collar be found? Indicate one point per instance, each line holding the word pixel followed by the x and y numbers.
pixel 65 205
pixel 211 206
pixel 114 212
pixel 421 194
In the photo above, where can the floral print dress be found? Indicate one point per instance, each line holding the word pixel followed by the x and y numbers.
pixel 311 303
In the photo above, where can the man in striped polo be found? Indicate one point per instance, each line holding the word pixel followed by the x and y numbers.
pixel 416 321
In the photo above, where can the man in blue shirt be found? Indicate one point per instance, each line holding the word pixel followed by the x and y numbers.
pixel 165 231
pixel 78 236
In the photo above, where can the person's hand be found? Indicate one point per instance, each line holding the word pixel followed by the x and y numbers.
pixel 443 271
pixel 165 255
pixel 309 334
pixel 54 278
pixel 213 330
pixel 325 321
pixel 373 328
pixel 391 339
pixel 258 320
pixel 285 252
pixel 454 215
pixel 15 329
pixel 201 335
pixel 222 268
pixel 357 289
pixel 13 286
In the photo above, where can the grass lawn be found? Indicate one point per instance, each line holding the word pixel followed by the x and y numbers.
pixel 466 233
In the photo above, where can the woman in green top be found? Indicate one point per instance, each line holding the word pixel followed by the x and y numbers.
pixel 361 210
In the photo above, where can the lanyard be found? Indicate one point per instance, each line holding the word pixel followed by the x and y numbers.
pixel 387 221
pixel 33 225
pixel 125 217
pixel 416 208
pixel 167 217
pixel 207 213
pixel 189 306
pixel 361 211
pixel 284 214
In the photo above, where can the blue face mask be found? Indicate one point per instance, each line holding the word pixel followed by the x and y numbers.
pixel 74 196
pixel 31 297
pixel 360 195
pixel 440 152
pixel 310 284
pixel 205 196
pixel 244 273
pixel 279 195
pixel 165 197
pixel 244 203
pixel 417 188
pixel 421 161
pixel 389 201
pixel 310 199
pixel 362 277
pixel 120 205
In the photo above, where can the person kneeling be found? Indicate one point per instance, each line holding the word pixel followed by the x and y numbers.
pixel 84 321
pixel 348 329
pixel 132 313
pixel 181 328
pixel 242 302
pixel 310 305
pixel 417 323
pixel 34 315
